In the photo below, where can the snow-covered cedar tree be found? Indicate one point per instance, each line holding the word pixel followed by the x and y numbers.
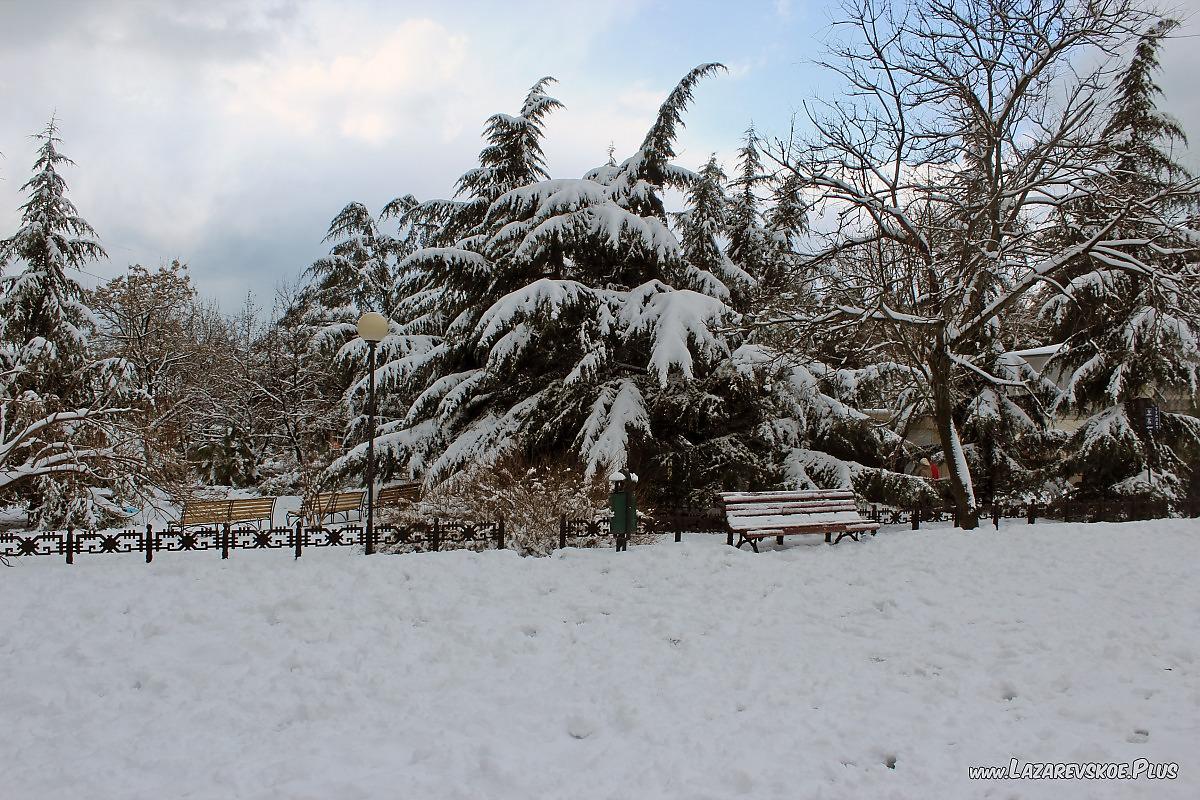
pixel 703 229
pixel 65 453
pixel 966 124
pixel 1129 334
pixel 358 273
pixel 562 319
pixel 763 237
pixel 362 272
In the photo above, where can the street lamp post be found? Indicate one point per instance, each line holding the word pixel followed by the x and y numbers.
pixel 372 327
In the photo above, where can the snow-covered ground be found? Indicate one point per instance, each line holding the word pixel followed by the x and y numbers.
pixel 672 671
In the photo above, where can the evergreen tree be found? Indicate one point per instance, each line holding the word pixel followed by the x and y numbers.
pixel 749 242
pixel 357 273
pixel 1132 334
pixel 703 229
pixel 763 237
pixel 61 452
pixel 568 322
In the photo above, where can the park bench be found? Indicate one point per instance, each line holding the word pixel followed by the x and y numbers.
pixel 226 512
pixel 758 515
pixel 316 508
pixel 399 495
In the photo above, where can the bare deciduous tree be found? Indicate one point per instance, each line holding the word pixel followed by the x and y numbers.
pixel 967 125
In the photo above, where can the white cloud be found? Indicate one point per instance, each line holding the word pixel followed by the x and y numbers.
pixel 359 92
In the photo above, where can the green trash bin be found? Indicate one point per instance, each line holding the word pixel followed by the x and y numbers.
pixel 622 502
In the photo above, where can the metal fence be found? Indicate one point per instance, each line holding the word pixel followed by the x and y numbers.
pixel 1098 510
pixel 443 535
pixel 435 535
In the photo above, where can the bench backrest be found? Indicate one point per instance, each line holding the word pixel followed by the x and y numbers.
pixel 220 512
pixel 781 507
pixel 331 503
pixel 397 495
pixel 199 512
pixel 251 508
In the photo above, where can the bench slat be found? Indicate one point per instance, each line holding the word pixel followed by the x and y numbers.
pixel 792 521
pixel 730 498
pixel 773 508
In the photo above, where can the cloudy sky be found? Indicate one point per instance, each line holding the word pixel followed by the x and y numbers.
pixel 227 133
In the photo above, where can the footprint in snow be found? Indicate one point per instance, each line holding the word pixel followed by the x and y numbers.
pixel 580 727
pixel 1139 736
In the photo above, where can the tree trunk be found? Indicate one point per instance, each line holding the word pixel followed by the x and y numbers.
pixel 957 473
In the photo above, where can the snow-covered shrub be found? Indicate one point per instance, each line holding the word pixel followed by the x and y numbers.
pixel 529 497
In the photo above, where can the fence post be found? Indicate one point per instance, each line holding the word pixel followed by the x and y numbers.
pixel 1031 513
pixel 996 514
pixel 437 532
pixel 562 531
pixel 678 534
pixel 148 543
pixel 916 519
pixel 225 541
pixel 70 546
pixel 500 535
pixel 300 535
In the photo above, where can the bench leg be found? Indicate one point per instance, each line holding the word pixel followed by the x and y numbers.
pixel 827 541
pixel 746 540
pixel 779 540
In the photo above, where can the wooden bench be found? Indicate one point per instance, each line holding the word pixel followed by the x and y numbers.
pixel 317 507
pixel 758 515
pixel 226 512
pixel 399 495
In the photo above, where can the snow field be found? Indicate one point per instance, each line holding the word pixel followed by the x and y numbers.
pixel 670 671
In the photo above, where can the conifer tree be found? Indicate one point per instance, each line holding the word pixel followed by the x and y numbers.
pixel 748 240
pixel 703 230
pixel 568 321
pixel 61 451
pixel 1128 335
pixel 357 272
